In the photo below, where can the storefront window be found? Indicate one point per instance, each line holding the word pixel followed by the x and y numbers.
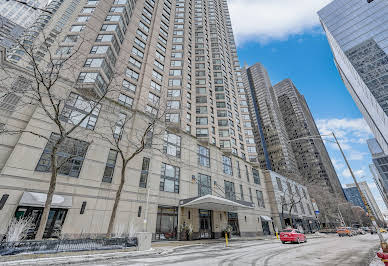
pixel 54 224
pixel 166 223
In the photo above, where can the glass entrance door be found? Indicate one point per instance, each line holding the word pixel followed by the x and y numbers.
pixel 205 224
pixel 233 221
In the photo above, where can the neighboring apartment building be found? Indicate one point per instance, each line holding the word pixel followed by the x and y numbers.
pixel 313 161
pixel 357 32
pixel 9 32
pixel 285 194
pixel 273 147
pixel 370 199
pixel 379 168
pixel 21 14
pixel 171 57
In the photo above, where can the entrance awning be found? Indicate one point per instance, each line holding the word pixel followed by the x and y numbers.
pixel 214 203
pixel 266 218
pixel 39 199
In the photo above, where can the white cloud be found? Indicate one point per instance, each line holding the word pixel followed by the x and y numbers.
pixel 263 20
pixel 358 173
pixel 348 131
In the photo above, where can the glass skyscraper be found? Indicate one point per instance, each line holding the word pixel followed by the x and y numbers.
pixel 357 32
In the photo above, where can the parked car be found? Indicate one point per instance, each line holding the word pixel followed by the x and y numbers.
pixel 292 235
pixel 361 232
pixel 345 231
pixel 382 230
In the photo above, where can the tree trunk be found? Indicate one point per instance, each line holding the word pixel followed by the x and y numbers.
pixel 292 224
pixel 117 200
pixel 50 194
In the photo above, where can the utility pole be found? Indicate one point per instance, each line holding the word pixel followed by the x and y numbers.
pixel 382 241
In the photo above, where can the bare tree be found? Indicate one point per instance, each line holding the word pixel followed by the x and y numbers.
pixel 47 85
pixel 290 199
pixel 129 136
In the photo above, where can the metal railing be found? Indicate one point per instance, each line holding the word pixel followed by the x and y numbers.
pixel 65 245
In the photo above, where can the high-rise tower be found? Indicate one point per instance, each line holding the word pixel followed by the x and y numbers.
pixel 274 149
pixel 357 32
pixel 175 58
pixel 313 161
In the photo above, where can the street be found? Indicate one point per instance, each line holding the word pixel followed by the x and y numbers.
pixel 331 250
pixel 328 250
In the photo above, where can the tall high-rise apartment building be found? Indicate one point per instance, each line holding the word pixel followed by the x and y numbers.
pixel 22 14
pixel 313 161
pixel 370 199
pixel 273 146
pixel 175 58
pixel 379 168
pixel 357 32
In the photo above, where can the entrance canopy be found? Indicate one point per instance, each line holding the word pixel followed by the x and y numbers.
pixel 39 199
pixel 214 203
pixel 266 218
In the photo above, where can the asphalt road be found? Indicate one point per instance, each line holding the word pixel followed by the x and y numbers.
pixel 331 250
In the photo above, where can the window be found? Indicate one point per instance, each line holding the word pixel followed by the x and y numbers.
pixel 118 130
pixel 172 144
pixel 169 179
pixel 137 52
pixel 279 183
pixel 203 156
pixel 260 198
pixel 174 82
pixel 157 75
pixel 70 148
pixel 77 28
pixel 110 166
pixel 176 63
pixel 256 176
pixel 144 172
pixel 76 108
pixel 203 121
pixel 144 27
pixel 151 110
pixel 173 105
pixel 172 118
pixel 241 192
pixel 140 43
pixel 71 38
pixel 154 99
pixel 135 62
pixel 132 74
pixel 229 190
pixel 247 172
pixel 125 100
pixel 202 132
pixel 204 185
pixel 83 19
pixel 155 86
pixel 250 195
pixel 129 86
pixel 87 10
pixel 174 93
pixel 227 165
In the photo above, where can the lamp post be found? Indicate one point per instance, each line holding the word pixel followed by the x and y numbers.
pixel 384 245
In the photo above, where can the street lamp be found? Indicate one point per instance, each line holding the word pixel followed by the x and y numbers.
pixel 382 241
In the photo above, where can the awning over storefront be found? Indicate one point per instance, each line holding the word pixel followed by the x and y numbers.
pixel 266 218
pixel 210 202
pixel 39 199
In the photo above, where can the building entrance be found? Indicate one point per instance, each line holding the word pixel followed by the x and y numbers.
pixel 205 224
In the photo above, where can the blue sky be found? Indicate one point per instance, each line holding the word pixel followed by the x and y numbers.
pixel 291 44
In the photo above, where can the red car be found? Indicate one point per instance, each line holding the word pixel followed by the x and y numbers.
pixel 292 235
